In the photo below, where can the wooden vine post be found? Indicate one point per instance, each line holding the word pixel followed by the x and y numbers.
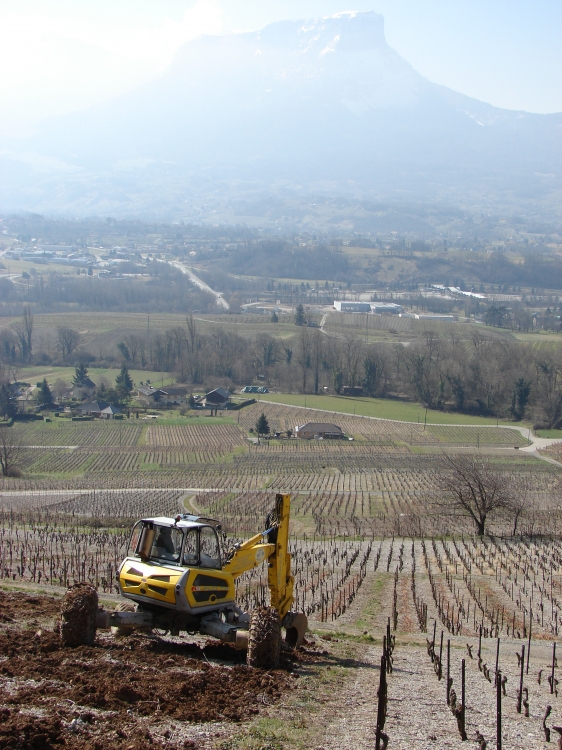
pixel 498 711
pixel 463 702
pixel 381 709
pixel 520 693
pixel 448 686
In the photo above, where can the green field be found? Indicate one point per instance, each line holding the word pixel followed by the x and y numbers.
pixel 113 326
pixel 36 373
pixel 383 408
pixel 554 434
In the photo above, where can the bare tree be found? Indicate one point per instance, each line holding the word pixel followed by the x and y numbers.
pixel 520 499
pixel 304 355
pixel 60 389
pixel 68 340
pixel 472 487
pixel 24 333
pixel 133 343
pixel 10 452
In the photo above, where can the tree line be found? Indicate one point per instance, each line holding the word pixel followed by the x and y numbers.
pixel 477 374
pixel 165 289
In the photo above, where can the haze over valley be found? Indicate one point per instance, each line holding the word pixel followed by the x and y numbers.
pixel 257 126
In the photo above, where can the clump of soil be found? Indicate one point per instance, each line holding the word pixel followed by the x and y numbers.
pixel 78 615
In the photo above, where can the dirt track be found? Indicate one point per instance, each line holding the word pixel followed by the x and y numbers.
pixel 136 692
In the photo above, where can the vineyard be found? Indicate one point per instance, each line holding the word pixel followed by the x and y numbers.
pixel 373 553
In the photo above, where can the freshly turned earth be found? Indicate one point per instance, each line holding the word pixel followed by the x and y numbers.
pixel 132 693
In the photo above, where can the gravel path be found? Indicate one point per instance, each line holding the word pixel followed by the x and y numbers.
pixel 418 717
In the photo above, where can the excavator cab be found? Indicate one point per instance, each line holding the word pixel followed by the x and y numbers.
pixel 187 545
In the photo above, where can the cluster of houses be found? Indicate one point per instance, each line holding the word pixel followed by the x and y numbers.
pixel 219 398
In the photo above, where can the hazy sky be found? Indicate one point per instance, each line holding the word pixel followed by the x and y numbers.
pixel 61 55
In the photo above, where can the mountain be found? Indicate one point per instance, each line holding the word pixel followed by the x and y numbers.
pixel 322 106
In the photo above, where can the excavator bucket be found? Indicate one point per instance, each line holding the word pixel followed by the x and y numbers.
pixel 295 624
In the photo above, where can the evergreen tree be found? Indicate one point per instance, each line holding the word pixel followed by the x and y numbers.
pixel 45 395
pixel 123 383
pixel 274 317
pixel 300 319
pixel 262 425
pixel 8 403
pixel 80 374
pixel 520 397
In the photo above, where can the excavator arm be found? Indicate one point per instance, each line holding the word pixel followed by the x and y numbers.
pixel 271 545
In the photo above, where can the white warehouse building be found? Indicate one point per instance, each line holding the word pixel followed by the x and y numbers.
pixel 384 308
pixel 352 307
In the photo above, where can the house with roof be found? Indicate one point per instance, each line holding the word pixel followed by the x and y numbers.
pixel 149 395
pixel 169 396
pixel 98 409
pixel 175 395
pixel 317 430
pixel 85 389
pixel 217 399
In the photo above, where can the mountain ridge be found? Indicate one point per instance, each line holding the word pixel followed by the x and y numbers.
pixel 324 104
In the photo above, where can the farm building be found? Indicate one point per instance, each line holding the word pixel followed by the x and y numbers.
pixel 217 399
pixel 169 396
pixel 344 306
pixel 150 396
pixel 176 395
pixel 324 430
pixel 98 409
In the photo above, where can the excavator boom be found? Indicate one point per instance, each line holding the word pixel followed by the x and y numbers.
pixel 271 545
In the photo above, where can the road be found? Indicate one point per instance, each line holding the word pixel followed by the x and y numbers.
pixel 221 302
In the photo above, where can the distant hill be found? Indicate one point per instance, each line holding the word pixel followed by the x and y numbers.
pixel 322 106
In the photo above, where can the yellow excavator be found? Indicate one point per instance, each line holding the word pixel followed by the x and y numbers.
pixel 176 579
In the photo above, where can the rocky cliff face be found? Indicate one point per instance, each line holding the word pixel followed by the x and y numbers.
pixel 323 105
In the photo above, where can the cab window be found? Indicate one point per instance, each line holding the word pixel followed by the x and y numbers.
pixel 167 544
pixel 190 552
pixel 132 550
pixel 209 553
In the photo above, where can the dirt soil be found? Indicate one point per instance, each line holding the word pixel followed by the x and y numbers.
pixel 136 692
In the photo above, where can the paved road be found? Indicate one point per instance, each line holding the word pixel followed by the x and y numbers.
pixel 221 302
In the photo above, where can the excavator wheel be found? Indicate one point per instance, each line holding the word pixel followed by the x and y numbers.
pixel 78 616
pixel 264 638
pixel 123 630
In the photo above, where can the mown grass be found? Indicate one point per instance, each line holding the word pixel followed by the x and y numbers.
pixel 34 374
pixel 400 411
pixel 554 434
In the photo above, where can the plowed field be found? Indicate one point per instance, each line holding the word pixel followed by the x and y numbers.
pixel 136 692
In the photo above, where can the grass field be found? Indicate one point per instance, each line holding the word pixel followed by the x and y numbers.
pixel 19 266
pixel 92 325
pixel 554 434
pixel 382 408
pixel 36 373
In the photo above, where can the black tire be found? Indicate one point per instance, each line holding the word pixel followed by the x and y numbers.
pixel 78 616
pixel 264 639
pixel 123 630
